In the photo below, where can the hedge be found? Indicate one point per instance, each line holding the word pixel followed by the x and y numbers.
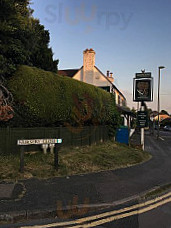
pixel 44 98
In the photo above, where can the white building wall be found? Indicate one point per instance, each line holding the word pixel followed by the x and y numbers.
pixel 85 76
pixel 99 79
pixel 116 97
pixel 91 75
pixel 88 76
pixel 79 75
pixel 95 78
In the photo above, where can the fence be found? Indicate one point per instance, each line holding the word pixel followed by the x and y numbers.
pixel 71 136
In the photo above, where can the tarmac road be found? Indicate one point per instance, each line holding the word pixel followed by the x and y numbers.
pixel 104 187
pixel 154 212
pixel 158 218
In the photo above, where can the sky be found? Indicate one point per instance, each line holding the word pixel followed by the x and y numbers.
pixel 127 35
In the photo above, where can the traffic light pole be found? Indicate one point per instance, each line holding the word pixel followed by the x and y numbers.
pixel 142 129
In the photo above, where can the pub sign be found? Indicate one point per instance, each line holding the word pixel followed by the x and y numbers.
pixel 143 89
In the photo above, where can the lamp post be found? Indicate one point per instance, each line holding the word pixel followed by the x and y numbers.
pixel 158 109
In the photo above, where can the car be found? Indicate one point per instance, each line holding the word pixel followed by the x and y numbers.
pixel 167 128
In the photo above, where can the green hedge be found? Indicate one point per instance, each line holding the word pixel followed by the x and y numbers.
pixel 44 98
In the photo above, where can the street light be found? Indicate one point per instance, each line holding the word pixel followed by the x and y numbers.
pixel 160 67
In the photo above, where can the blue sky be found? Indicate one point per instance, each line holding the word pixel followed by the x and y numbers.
pixel 127 36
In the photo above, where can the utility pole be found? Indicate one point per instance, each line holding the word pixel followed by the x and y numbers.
pixel 158 106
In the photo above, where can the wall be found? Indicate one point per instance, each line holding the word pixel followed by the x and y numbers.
pixel 93 77
pixel 79 75
pixel 100 80
pixel 117 94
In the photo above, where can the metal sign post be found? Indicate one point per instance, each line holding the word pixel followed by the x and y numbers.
pixel 56 157
pixel 21 159
pixel 142 91
pixel 142 129
pixel 52 143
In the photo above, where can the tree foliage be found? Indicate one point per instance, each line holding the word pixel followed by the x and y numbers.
pixel 164 112
pixel 6 99
pixel 23 40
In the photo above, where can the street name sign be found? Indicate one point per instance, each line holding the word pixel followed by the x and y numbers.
pixel 142 119
pixel 25 142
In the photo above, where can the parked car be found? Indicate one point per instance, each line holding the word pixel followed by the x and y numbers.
pixel 167 128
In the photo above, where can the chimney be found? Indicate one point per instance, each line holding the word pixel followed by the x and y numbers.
pixel 89 59
pixel 111 77
pixel 107 73
pixel 88 66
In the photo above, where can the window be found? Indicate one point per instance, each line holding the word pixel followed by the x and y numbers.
pixel 123 103
pixel 106 88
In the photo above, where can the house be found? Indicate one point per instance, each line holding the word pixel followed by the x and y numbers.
pixel 161 117
pixel 89 73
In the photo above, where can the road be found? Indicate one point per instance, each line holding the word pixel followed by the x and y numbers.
pixel 158 218
pixel 165 135
pixel 153 214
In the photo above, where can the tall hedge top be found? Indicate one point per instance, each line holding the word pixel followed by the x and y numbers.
pixel 51 98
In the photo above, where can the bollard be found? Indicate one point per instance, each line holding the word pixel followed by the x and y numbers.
pixel 45 147
pixel 54 145
pixel 51 146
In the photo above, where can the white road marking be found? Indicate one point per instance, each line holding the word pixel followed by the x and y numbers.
pixel 153 204
pixel 161 138
pixel 124 215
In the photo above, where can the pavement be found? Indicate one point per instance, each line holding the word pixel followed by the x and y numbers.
pixel 34 198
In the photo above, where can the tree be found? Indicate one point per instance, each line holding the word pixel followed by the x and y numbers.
pixel 41 55
pixel 23 40
pixel 6 111
pixel 133 110
pixel 164 112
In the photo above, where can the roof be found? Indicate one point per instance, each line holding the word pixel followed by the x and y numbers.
pixel 154 113
pixel 68 72
pixel 110 82
pixel 71 72
pixel 125 110
pixel 162 115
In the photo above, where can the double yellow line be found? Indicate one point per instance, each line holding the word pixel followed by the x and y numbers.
pixel 93 221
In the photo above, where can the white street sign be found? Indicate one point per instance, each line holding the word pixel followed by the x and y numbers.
pixel 38 141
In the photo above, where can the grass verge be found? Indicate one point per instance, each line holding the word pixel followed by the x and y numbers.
pixel 72 160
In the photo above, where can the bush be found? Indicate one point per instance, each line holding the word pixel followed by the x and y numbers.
pixel 43 98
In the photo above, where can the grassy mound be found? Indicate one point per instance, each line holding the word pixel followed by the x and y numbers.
pixel 73 160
